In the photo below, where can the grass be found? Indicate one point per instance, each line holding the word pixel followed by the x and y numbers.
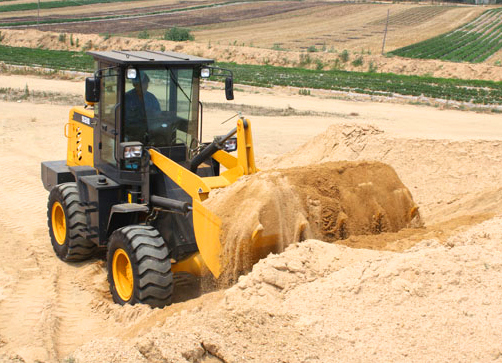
pixel 383 84
pixel 55 59
pixel 473 42
pixel 53 5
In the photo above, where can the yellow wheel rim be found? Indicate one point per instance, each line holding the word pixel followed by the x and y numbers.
pixel 122 274
pixel 58 223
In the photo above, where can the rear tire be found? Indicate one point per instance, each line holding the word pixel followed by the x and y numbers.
pixel 139 268
pixel 67 224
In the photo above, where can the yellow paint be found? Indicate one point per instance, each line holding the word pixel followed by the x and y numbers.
pixel 225 159
pixel 179 177
pixel 80 137
pixel 245 151
pixel 186 180
pixel 122 274
pixel 193 265
pixel 207 228
pixel 214 182
pixel 58 223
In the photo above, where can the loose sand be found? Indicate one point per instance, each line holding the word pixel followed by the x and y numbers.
pixel 266 212
pixel 432 293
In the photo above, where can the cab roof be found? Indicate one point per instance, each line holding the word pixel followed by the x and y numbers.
pixel 148 57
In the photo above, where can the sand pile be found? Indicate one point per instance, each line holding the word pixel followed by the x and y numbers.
pixel 434 170
pixel 265 212
pixel 320 302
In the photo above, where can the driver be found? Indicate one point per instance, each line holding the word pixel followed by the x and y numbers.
pixel 140 106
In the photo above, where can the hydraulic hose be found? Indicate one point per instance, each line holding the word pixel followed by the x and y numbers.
pixel 210 149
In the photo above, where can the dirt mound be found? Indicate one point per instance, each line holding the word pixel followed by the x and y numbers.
pixel 320 302
pixel 427 167
pixel 261 203
pixel 265 212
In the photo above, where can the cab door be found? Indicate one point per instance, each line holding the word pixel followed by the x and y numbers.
pixel 109 120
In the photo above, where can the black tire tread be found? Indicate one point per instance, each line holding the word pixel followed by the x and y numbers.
pixel 78 247
pixel 151 265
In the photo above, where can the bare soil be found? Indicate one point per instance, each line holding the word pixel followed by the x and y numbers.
pixel 431 293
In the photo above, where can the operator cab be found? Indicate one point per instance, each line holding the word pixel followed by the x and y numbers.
pixel 146 99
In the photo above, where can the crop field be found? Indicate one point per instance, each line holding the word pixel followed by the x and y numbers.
pixel 52 5
pixel 382 84
pixel 414 16
pixel 162 17
pixel 473 42
pixel 286 25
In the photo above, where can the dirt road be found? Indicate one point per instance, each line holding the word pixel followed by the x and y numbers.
pixel 439 300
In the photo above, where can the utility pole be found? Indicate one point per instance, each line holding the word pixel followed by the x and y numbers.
pixel 384 34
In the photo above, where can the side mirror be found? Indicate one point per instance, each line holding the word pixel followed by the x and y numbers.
pixel 229 88
pixel 92 89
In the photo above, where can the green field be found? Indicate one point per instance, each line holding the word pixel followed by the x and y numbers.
pixel 384 84
pixel 53 4
pixel 473 42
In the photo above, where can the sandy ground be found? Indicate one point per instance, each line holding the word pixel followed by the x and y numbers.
pixel 426 294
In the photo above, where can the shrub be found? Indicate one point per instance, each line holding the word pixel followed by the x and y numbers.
pixel 143 34
pixel 305 60
pixel 319 65
pixel 358 62
pixel 62 38
pixel 304 92
pixel 312 49
pixel 344 56
pixel 71 40
pixel 372 67
pixel 337 65
pixel 178 34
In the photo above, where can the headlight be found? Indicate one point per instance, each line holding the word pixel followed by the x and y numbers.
pixel 133 152
pixel 205 72
pixel 131 73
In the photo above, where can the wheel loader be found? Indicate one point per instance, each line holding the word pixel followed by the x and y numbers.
pixel 136 173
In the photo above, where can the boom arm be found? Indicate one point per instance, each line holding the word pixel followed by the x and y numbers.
pixel 206 225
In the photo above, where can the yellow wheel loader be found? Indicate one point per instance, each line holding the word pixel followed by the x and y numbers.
pixel 136 173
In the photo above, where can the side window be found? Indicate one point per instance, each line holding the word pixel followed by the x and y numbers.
pixel 108 108
pixel 184 93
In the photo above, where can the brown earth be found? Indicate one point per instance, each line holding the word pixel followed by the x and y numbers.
pixel 330 202
pixel 438 298
pixel 219 14
pixel 103 10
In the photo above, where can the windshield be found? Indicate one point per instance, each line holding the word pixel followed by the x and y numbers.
pixel 160 108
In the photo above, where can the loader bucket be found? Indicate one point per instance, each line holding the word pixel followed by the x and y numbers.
pixel 207 228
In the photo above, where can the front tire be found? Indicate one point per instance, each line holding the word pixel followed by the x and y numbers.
pixel 139 269
pixel 67 224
